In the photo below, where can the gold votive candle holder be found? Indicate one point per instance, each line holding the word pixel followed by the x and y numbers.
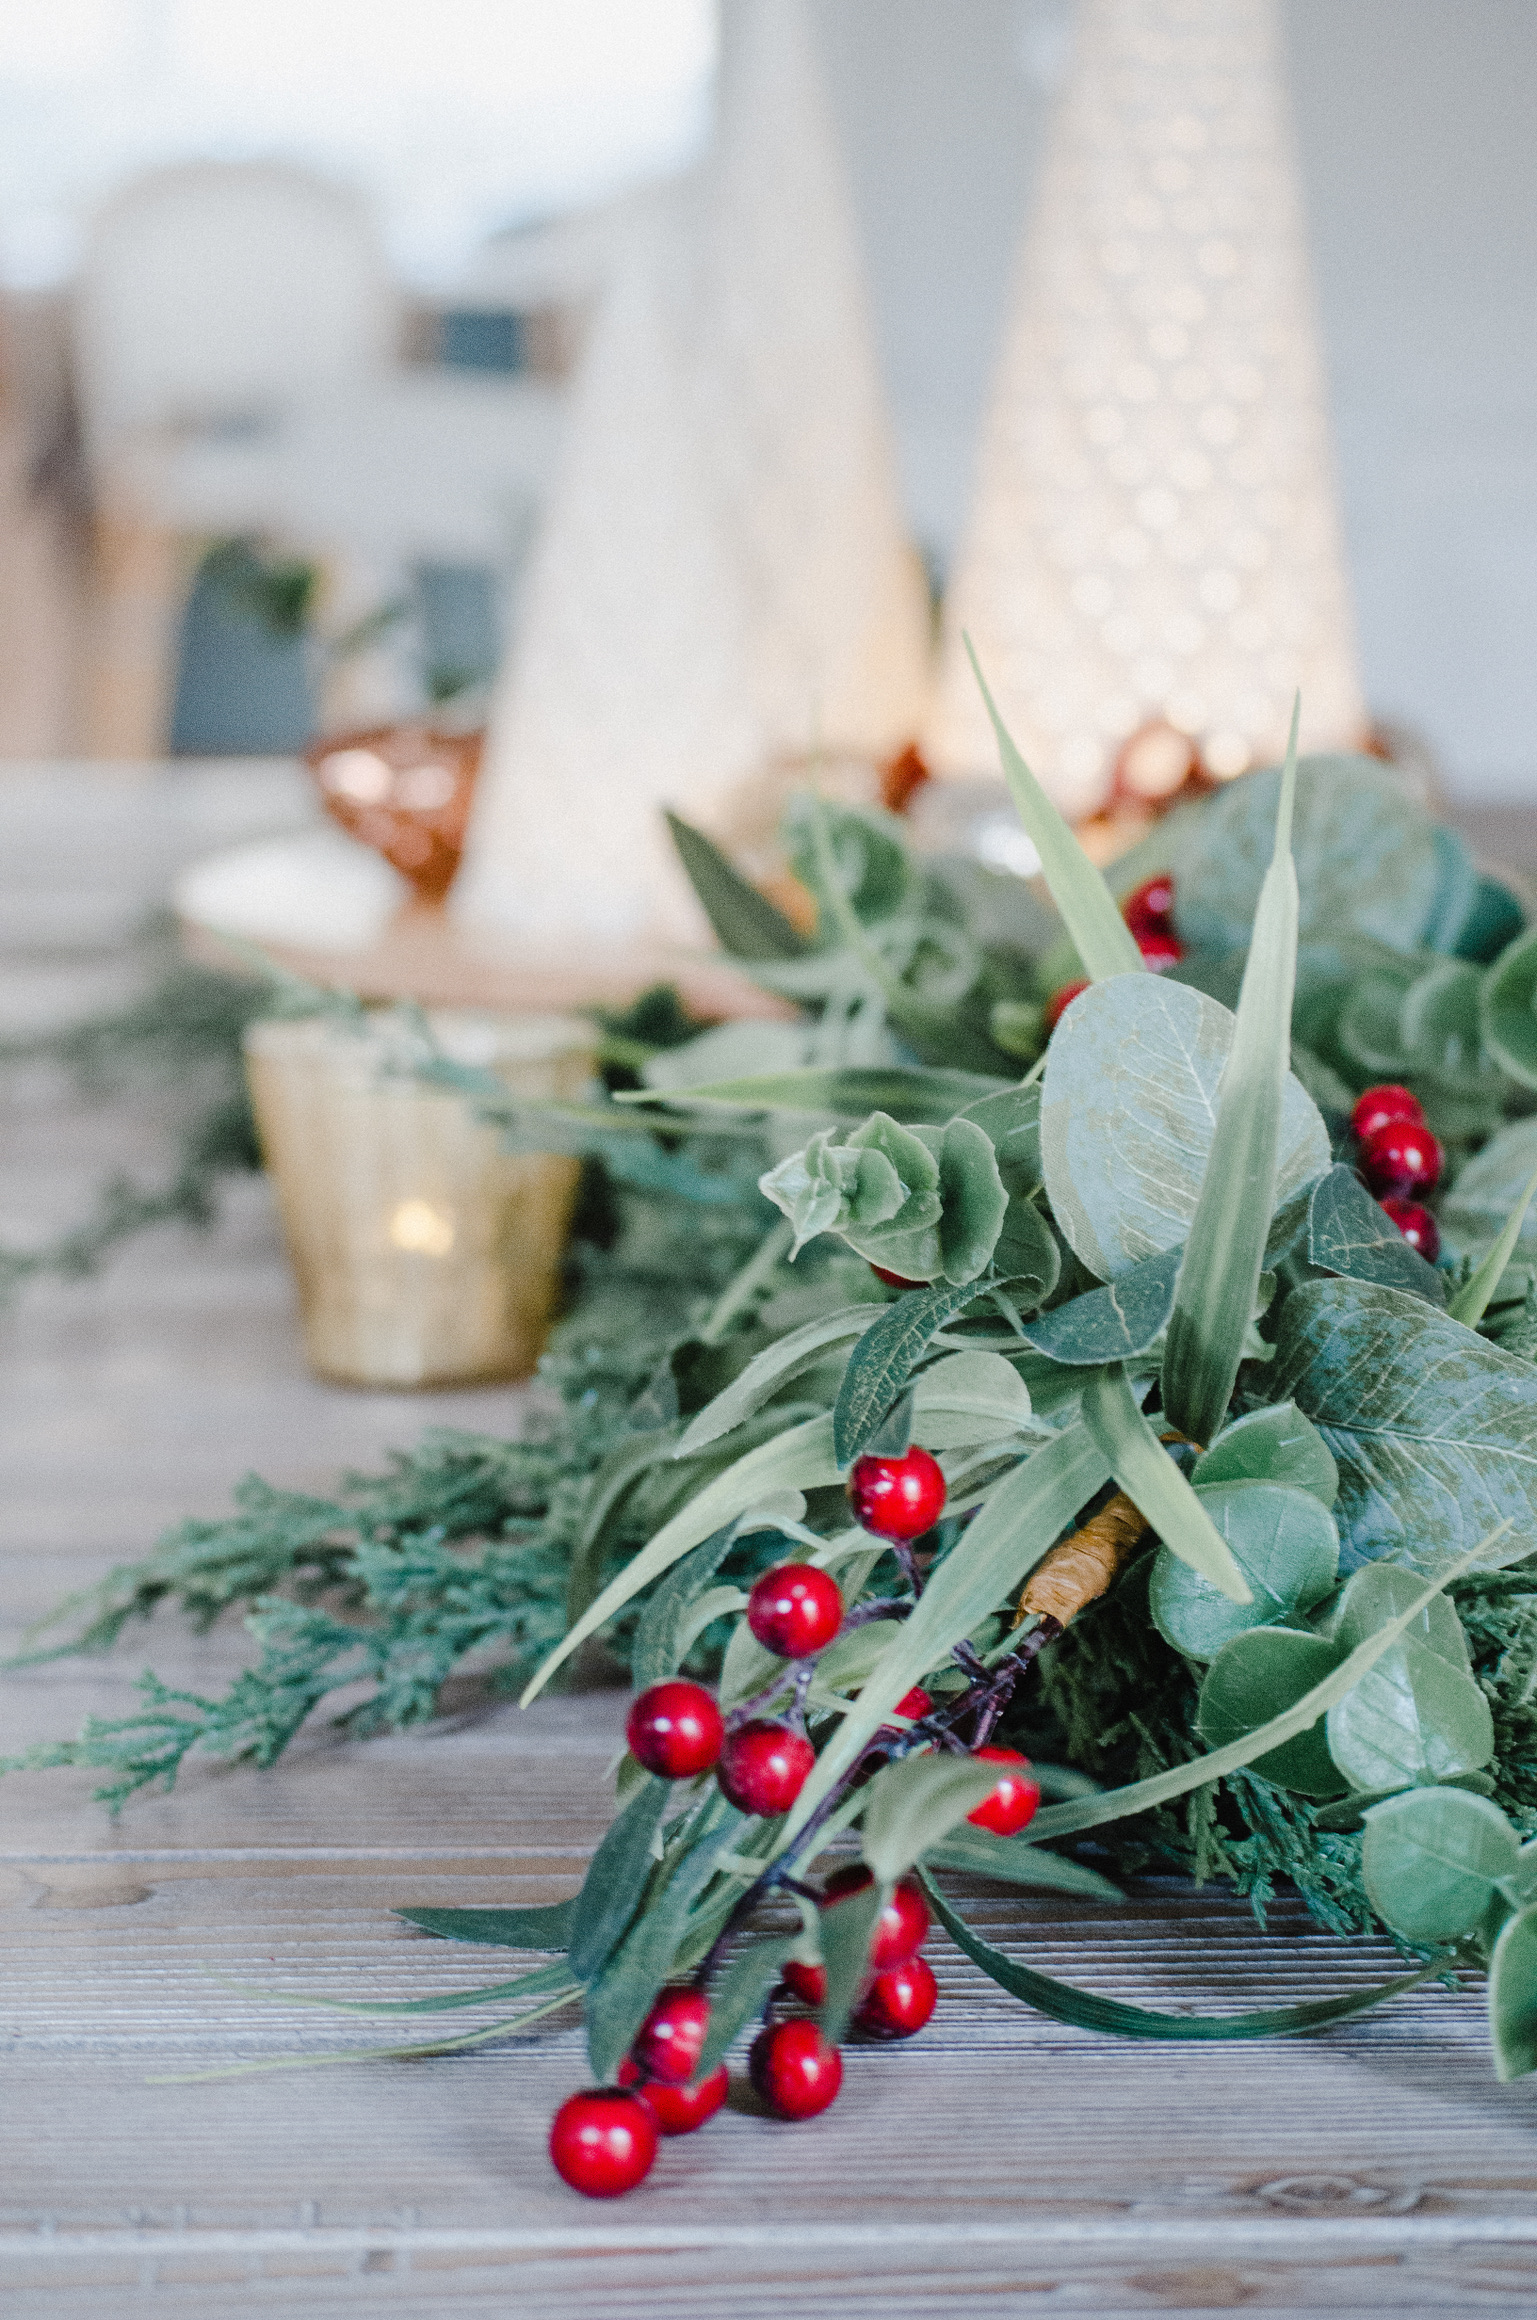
pixel 425 1252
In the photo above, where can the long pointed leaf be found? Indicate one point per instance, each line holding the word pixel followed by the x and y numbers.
pixel 546 1926
pixel 746 923
pixel 1114 1804
pixel 1155 1485
pixel 1025 1515
pixel 882 1361
pixel 1225 1251
pixel 774 1367
pixel 1104 941
pixel 1087 2012
pixel 1472 1300
pixel 848 1091
pixel 801 1459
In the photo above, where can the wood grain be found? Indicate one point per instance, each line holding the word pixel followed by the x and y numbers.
pixel 1002 2164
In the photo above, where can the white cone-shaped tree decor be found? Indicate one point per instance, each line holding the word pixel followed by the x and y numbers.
pixel 723 575
pixel 1154 535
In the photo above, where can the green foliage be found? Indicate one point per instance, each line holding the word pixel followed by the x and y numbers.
pixel 1114 1323
pixel 1284 1543
pixel 916 1802
pixel 1434 1859
pixel 746 923
pixel 1272 1444
pixel 541 1927
pixel 1349 1233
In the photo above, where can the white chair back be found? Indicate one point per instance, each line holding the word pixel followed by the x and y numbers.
pixel 221 293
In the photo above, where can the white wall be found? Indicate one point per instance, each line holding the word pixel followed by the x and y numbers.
pixel 1417 125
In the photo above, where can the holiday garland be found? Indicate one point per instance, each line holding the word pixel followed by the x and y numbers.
pixel 1171 1458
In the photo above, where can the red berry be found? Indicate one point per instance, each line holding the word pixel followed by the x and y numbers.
pixel 1380 1105
pixel 603 2141
pixel 903 1924
pixel 794 2069
pixel 1160 950
pixel 808 1983
pixel 1150 906
pixel 1012 1804
pixel 1417 1225
pixel 1403 1157
pixel 899 2002
pixel 896 1280
pixel 675 1729
pixel 1059 1002
pixel 795 1610
pixel 915 1704
pixel 763 1766
pixel 678 2110
pixel 897 1498
pixel 670 2041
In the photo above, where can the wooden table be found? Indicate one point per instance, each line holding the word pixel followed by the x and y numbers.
pixel 1000 2165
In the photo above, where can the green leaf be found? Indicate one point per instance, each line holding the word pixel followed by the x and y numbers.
pixel 1153 1482
pixel 1513 1997
pixel 1128 1113
pixel 1441 1030
pixel 1433 1430
pixel 848 1093
pixel 1508 1009
pixel 1431 1860
pixel 1104 941
pixel 974 1201
pixel 1283 1541
pixel 1065 1820
pixel 736 1995
pixel 1488 1187
pixel 536 1928
pixel 845 1932
pixel 915 1802
pixel 774 1368
pixel 616 1873
pixel 659 1645
pixel 1253 1679
pixel 1276 1444
pixel 1369 1029
pixel 745 922
pixel 969 1398
pixel 1379 1592
pixel 1494 921
pixel 1366 857
pixel 1023 1517
pixel 621 1996
pixel 1413 1718
pixel 1349 1233
pixel 981 1854
pixel 800 1459
pixel 536 1984
pixel 1086 2012
pixel 610 1486
pixel 851 858
pixel 883 1360
pixel 1225 1253
pixel 1114 1323
pixel 1471 1301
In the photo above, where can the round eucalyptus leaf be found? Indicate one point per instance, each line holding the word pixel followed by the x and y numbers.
pixel 1508 1012
pixel 1412 1717
pixel 1258 1675
pixel 1377 1593
pixel 974 1200
pixel 1128 1113
pixel 1369 1028
pixel 1282 1540
pixel 1431 1858
pixel 1513 1997
pixel 1277 1444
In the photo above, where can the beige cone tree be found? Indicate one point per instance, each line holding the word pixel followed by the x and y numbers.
pixel 724 575
pixel 1154 533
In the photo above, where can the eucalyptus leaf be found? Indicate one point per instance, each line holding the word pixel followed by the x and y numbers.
pixel 971 1397
pixel 1369 1027
pixel 1084 2011
pixel 546 1927
pixel 884 1358
pixel 799 1459
pixel 981 1854
pixel 1508 1009
pixel 1434 1431
pixel 844 1932
pixel 1379 1592
pixel 1349 1233
pixel 1103 939
pixel 1128 1115
pixel 1113 1323
pixel 746 923
pixel 1154 1484
pixel 1413 1718
pixel 1256 1677
pixel 772 1369
pixel 914 1803
pixel 1487 1190
pixel 1283 1541
pixel 1431 1859
pixel 974 1201
pixel 1275 1444
pixel 615 1876
pixel 1225 1254
pixel 1513 1996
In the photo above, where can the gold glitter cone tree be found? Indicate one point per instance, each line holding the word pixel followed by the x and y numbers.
pixel 724 575
pixel 1154 534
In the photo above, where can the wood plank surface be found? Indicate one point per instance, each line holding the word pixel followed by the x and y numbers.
pixel 1000 2164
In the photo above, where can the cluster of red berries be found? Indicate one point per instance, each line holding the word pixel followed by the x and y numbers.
pixel 1149 912
pixel 604 2140
pixel 1399 1158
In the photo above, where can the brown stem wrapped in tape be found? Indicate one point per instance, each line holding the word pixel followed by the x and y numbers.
pixel 1085 1565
